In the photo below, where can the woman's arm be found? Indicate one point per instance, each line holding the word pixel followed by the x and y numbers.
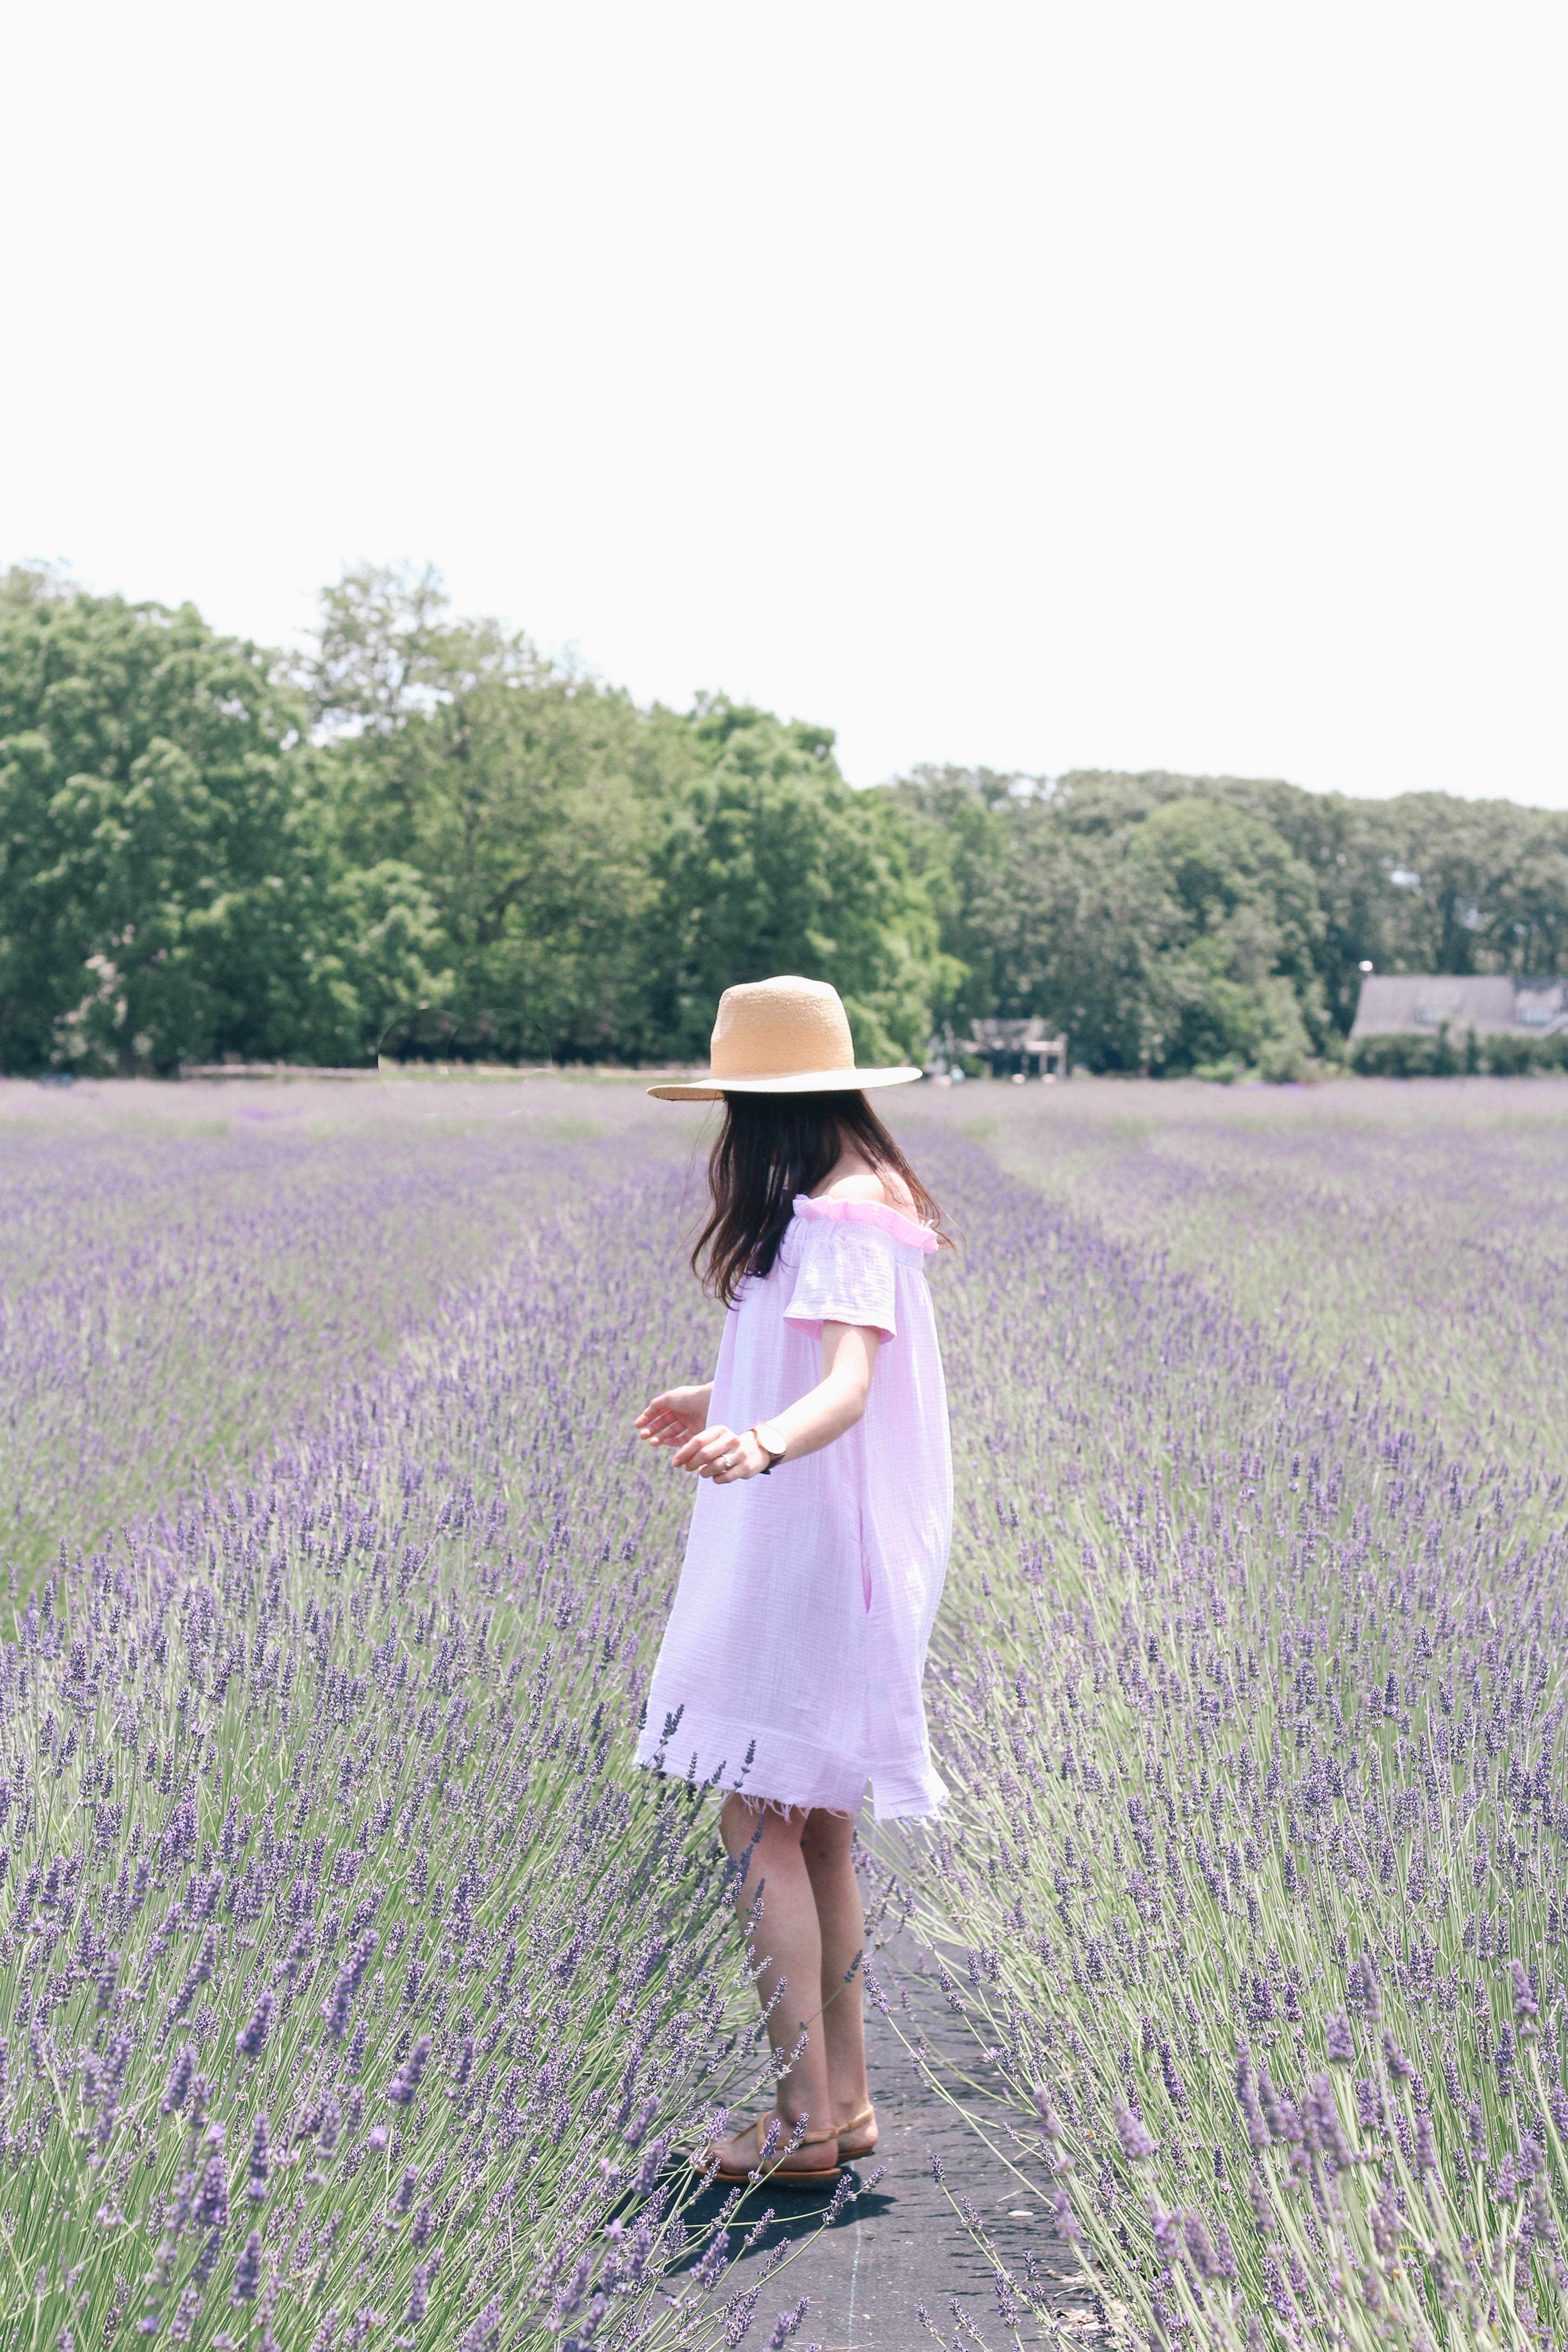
pixel 813 1421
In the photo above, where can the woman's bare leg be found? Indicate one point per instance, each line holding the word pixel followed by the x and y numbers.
pixel 826 1849
pixel 789 1939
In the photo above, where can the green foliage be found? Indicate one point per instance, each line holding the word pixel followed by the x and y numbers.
pixel 1233 978
pixel 427 836
pixel 600 873
pixel 1216 925
pixel 773 864
pixel 159 860
pixel 1445 1056
pixel 523 796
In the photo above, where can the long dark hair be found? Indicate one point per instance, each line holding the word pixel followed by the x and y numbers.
pixel 771 1148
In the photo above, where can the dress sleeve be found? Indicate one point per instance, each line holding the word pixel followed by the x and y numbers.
pixel 847 1274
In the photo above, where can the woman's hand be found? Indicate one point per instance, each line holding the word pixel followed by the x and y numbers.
pixel 677 1415
pixel 719 1454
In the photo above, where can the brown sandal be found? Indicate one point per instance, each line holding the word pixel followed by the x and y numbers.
pixel 853 2130
pixel 775 2174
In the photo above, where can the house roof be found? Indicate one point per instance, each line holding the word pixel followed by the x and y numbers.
pixel 1422 1003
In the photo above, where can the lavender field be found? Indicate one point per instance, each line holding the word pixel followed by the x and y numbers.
pixel 351 1985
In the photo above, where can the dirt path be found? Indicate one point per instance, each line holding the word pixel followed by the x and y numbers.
pixel 901 2245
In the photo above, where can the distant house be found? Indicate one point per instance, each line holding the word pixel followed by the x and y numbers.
pixel 1018 1049
pixel 1395 1004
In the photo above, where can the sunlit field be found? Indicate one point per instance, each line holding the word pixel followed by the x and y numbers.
pixel 354 1988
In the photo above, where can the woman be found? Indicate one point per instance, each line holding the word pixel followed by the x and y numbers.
pixel 789 1671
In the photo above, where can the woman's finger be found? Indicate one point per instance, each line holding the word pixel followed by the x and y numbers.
pixel 707 1446
pixel 722 1458
pixel 657 1420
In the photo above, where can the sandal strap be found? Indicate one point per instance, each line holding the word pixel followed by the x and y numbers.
pixel 853 2123
pixel 759 2124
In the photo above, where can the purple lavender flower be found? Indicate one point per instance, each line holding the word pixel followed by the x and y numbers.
pixel 1171 2079
pixel 179 2083
pixel 406 2081
pixel 1247 2099
pixel 1200 2246
pixel 251 2040
pixel 1363 1991
pixel 1136 2141
pixel 212 2201
pixel 1505 2055
pixel 247 2271
pixel 1279 2113
pixel 1067 2221
pixel 1324 2132
pixel 1398 2066
pixel 1167 2229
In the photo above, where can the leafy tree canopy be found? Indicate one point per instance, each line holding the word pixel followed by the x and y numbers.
pixel 427 835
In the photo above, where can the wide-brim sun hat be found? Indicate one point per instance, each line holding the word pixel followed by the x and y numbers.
pixel 783 1036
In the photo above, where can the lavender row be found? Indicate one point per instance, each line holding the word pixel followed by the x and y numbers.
pixel 190 1272
pixel 1405 1224
pixel 350 1986
pixel 1254 1883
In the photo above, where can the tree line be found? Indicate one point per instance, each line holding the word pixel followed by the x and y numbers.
pixel 425 836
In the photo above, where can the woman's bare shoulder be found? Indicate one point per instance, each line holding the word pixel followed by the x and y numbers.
pixel 869 1184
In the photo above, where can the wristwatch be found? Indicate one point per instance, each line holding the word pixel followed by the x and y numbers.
pixel 769 1442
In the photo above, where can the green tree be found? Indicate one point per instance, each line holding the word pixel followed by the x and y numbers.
pixel 770 863
pixel 1233 976
pixel 1164 924
pixel 527 798
pixel 159 879
pixel 1471 886
pixel 601 873
pixel 170 888
pixel 958 824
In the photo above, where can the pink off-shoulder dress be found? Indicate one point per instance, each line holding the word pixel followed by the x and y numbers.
pixel 806 1600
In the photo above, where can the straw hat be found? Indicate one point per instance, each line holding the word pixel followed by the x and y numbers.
pixel 785 1036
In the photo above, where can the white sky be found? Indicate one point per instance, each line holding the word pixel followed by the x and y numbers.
pixel 1058 384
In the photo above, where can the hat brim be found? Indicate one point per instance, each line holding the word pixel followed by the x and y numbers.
pixel 804 1082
